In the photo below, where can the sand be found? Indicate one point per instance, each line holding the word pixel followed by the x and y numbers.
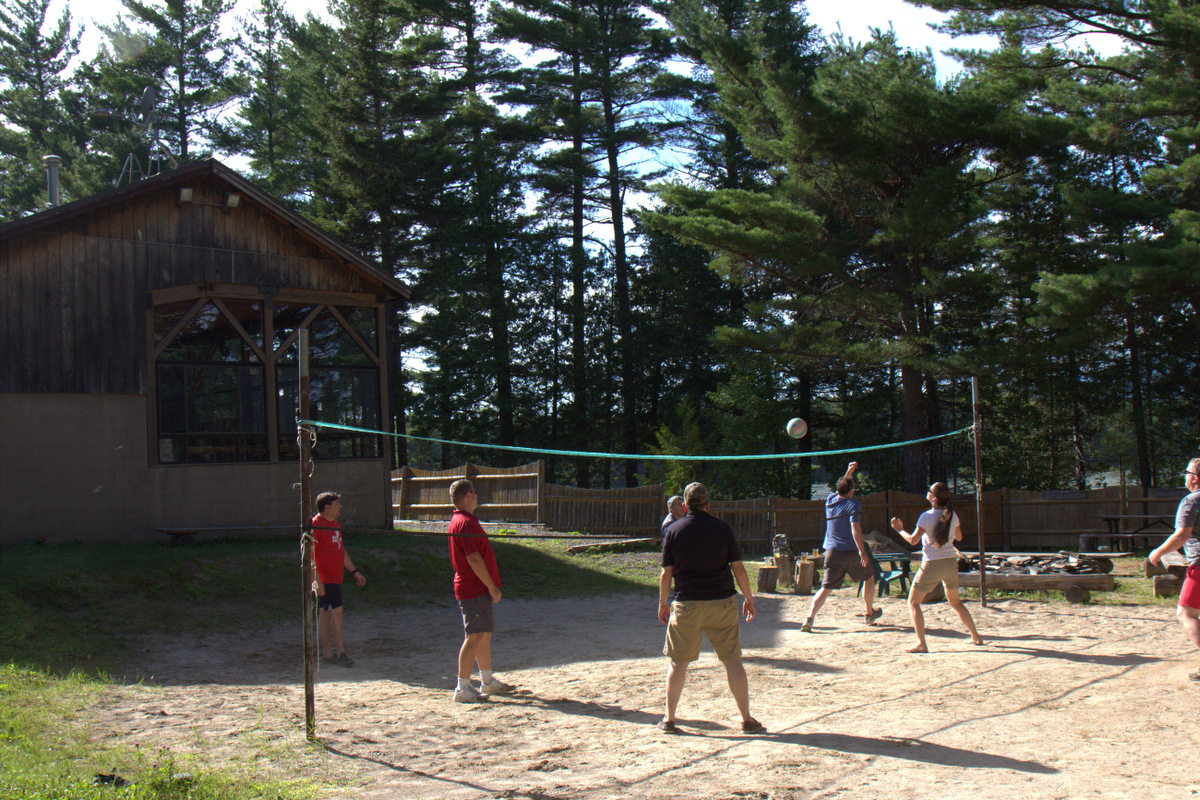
pixel 1062 702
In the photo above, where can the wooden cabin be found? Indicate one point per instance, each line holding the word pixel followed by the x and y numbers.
pixel 148 376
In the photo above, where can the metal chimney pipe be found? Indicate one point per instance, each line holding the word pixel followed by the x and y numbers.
pixel 52 163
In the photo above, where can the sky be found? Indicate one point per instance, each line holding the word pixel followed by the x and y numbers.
pixel 854 18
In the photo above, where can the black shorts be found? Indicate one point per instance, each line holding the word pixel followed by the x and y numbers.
pixel 477 614
pixel 332 598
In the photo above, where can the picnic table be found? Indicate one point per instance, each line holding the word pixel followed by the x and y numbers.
pixel 1126 538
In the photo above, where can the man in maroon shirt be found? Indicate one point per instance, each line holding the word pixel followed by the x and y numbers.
pixel 477 588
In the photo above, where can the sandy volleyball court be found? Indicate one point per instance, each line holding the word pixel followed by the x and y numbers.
pixel 1063 702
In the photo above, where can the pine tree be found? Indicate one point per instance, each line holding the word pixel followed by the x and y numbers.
pixel 873 219
pixel 270 125
pixel 185 57
pixel 34 97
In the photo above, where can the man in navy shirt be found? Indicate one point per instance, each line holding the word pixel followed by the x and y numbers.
pixel 701 556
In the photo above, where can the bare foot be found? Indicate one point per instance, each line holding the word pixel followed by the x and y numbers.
pixel 918 648
pixel 977 640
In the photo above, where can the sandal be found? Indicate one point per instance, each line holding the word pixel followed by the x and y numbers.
pixel 1195 676
pixel 667 726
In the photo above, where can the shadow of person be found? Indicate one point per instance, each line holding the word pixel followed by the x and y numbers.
pixel 909 750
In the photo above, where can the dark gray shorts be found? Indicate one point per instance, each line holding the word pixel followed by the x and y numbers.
pixel 477 614
pixel 843 562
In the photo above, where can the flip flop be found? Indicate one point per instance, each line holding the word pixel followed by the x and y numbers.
pixel 667 726
pixel 1195 676
pixel 752 726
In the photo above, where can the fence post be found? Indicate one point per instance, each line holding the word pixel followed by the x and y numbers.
pixel 405 496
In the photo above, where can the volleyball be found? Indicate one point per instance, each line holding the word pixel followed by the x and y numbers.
pixel 796 428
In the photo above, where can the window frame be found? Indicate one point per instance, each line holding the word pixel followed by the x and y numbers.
pixel 202 293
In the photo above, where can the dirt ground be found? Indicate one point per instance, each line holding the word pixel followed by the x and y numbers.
pixel 1062 702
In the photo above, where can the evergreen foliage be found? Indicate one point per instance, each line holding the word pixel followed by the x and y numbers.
pixel 836 232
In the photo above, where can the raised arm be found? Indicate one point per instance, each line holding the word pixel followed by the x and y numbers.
pixel 911 538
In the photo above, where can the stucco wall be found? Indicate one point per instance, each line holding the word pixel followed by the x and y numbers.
pixel 73 467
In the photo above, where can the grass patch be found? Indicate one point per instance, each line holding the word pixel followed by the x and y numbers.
pixel 48 751
pixel 76 612
pixel 84 606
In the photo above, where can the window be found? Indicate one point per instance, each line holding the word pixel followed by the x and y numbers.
pixel 343 388
pixel 213 371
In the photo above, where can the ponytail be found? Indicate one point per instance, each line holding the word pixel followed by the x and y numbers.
pixel 941 530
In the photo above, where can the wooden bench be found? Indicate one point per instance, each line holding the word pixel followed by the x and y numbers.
pixel 186 535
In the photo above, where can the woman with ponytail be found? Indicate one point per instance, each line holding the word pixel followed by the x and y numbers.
pixel 937 529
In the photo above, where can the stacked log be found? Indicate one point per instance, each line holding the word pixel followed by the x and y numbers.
pixel 1063 562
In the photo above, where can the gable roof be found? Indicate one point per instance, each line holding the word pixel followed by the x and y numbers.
pixel 238 184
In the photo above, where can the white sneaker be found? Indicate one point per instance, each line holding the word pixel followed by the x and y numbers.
pixel 497 686
pixel 468 694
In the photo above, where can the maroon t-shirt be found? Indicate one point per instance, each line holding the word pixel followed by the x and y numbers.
pixel 466 582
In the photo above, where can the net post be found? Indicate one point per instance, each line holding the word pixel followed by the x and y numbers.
pixel 306 558
pixel 979 491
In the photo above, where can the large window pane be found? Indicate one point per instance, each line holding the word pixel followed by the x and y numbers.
pixel 344 397
pixel 363 322
pixel 288 317
pixel 208 337
pixel 197 400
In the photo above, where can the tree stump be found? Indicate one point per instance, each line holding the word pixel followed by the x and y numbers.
pixel 1077 595
pixel 786 576
pixel 1167 586
pixel 805 574
pixel 767 577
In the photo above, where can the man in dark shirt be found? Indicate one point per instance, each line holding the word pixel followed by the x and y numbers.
pixel 702 557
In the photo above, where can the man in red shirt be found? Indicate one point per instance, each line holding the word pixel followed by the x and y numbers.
pixel 330 558
pixel 477 588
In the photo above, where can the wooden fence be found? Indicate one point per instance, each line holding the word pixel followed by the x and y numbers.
pixel 1012 519
pixel 636 512
pixel 512 494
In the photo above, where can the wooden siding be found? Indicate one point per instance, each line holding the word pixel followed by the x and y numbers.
pixel 75 291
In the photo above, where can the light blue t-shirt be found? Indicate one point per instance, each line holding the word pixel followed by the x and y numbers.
pixel 1187 517
pixel 839 513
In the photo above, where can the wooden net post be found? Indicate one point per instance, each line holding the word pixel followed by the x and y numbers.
pixel 306 557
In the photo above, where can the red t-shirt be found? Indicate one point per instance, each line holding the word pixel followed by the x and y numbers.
pixel 327 549
pixel 466 582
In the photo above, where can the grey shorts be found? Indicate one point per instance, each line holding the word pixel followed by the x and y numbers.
pixel 477 614
pixel 839 563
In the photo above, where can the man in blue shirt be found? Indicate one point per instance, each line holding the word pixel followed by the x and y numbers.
pixel 845 550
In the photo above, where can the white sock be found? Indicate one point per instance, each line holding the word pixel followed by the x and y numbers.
pixel 462 684
pixel 485 676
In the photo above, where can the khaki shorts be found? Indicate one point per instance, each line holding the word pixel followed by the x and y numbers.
pixel 931 573
pixel 716 619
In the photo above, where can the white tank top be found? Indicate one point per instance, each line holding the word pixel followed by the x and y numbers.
pixel 929 549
